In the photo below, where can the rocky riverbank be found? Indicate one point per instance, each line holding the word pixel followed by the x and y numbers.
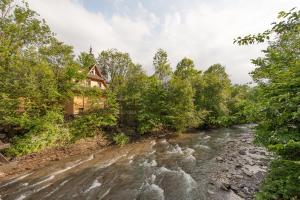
pixel 241 167
pixel 46 157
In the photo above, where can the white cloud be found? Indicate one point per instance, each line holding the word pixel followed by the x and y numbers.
pixel 203 31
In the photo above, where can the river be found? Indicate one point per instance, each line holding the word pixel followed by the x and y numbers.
pixel 171 169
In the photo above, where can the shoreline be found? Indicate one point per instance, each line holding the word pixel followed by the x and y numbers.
pixel 241 167
pixel 86 146
pixel 33 161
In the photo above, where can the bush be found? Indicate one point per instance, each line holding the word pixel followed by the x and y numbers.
pixel 289 151
pixel 282 182
pixel 121 139
pixel 88 124
pixel 44 132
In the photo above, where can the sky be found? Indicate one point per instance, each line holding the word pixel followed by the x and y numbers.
pixel 202 30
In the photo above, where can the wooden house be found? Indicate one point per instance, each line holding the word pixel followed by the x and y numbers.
pixel 81 103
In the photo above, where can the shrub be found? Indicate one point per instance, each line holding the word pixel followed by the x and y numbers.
pixel 44 132
pixel 88 124
pixel 289 151
pixel 282 182
pixel 121 139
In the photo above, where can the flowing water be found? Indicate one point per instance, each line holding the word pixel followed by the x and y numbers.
pixel 171 169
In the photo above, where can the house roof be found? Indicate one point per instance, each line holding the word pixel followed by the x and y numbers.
pixel 96 77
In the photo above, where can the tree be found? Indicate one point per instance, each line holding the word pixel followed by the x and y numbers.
pixel 38 75
pixel 87 59
pixel 154 109
pixel 161 64
pixel 278 78
pixel 131 95
pixel 185 69
pixel 216 91
pixel 115 65
pixel 181 109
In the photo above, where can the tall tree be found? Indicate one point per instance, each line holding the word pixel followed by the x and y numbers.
pixel 216 92
pixel 115 65
pixel 181 108
pixel 37 74
pixel 87 59
pixel 185 69
pixel 162 66
pixel 131 96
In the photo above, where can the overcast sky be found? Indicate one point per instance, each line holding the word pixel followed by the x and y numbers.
pixel 202 30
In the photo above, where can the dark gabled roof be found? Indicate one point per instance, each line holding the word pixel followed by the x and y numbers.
pixel 97 69
pixel 95 77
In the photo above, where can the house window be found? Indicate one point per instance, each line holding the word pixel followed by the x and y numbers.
pixel 81 110
pixel 99 84
pixel 88 83
pixel 93 71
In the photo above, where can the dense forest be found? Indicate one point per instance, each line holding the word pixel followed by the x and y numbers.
pixel 42 73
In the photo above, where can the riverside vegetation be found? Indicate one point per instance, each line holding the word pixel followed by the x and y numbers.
pixel 277 104
pixel 43 72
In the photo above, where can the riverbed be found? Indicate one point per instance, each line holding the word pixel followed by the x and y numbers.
pixel 186 167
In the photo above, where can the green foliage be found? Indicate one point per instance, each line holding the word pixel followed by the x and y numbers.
pixel 91 123
pixel 130 97
pixel 86 60
pixel 185 69
pixel 290 150
pixel 35 69
pixel 121 139
pixel 214 94
pixel 282 182
pixel 181 112
pixel 278 99
pixel 161 64
pixel 151 116
pixel 39 74
pixel 115 66
pixel 41 133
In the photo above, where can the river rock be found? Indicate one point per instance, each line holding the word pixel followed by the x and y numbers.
pixel 242 151
pixel 238 165
pixel 253 151
pixel 210 192
pixel 248 173
pixel 219 159
pixel 239 176
pixel 225 169
pixel 225 185
pixel 231 141
pixel 263 153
